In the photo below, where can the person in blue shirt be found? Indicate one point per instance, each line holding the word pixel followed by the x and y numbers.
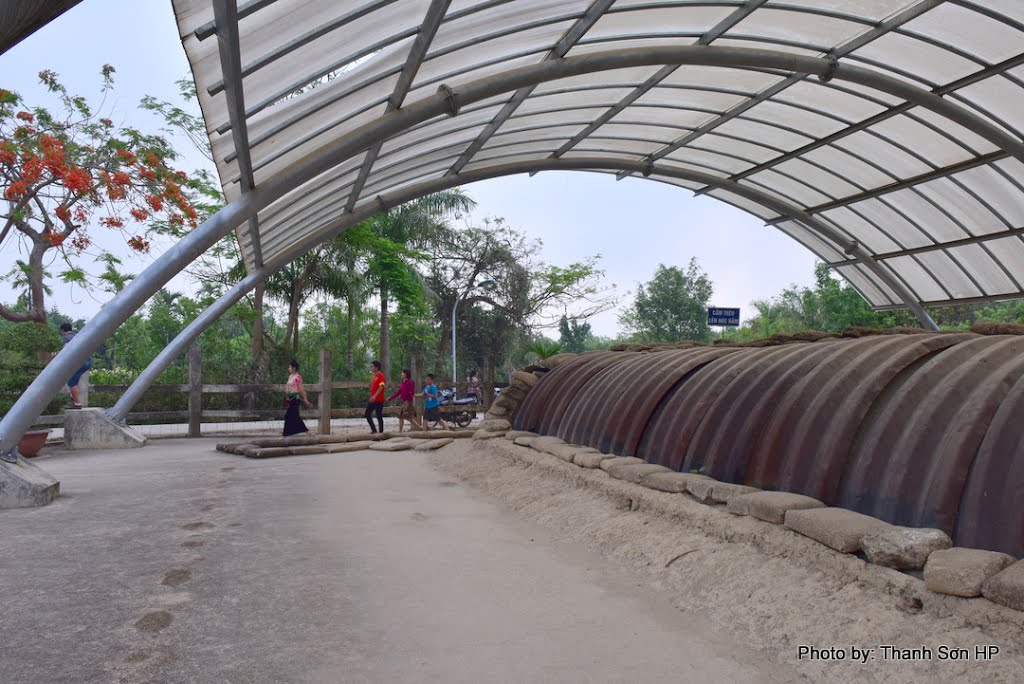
pixel 432 403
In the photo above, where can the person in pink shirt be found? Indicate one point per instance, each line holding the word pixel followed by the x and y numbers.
pixel 295 392
pixel 406 392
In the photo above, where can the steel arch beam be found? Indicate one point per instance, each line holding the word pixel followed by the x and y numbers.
pixel 130 397
pixel 346 220
pixel 446 102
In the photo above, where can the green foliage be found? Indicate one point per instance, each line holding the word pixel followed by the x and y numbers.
pixel 27 339
pixel 830 306
pixel 1004 312
pixel 113 376
pixel 573 335
pixel 671 307
pixel 18 369
pixel 541 349
pixel 528 295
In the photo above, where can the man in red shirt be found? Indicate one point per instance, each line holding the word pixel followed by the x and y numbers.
pixel 376 403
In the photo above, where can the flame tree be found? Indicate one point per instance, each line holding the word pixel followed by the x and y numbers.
pixel 66 175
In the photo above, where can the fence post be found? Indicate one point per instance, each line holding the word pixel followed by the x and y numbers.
pixel 325 391
pixel 488 379
pixel 83 389
pixel 195 391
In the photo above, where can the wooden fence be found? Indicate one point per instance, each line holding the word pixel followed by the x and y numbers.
pixel 322 412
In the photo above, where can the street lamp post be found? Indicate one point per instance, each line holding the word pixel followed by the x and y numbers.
pixel 486 284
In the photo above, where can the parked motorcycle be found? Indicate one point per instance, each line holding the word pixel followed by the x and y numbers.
pixel 464 416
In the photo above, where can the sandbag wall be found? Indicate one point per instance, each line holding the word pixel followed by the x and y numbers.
pixel 922 430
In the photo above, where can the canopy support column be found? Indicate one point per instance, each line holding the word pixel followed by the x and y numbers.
pixel 119 411
pixel 106 322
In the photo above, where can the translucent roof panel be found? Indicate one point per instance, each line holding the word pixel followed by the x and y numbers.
pixel 883 135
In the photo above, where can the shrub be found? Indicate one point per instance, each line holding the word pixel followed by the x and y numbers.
pixel 29 339
pixel 16 374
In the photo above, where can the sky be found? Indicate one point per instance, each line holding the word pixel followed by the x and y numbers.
pixel 633 224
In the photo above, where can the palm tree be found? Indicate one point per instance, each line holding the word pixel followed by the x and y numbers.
pixel 401 232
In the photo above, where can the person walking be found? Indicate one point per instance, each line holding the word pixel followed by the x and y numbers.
pixel 473 387
pixel 294 393
pixel 432 404
pixel 66 335
pixel 406 392
pixel 376 403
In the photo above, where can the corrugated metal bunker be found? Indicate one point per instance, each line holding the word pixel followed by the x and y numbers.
pixel 923 430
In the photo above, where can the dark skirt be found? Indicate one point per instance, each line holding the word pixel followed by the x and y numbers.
pixel 293 424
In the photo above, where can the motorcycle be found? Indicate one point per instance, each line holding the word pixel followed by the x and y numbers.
pixel 464 416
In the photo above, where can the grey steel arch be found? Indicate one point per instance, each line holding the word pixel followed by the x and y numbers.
pixel 346 219
pixel 309 144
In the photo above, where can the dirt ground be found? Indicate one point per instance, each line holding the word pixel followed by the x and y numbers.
pixel 833 617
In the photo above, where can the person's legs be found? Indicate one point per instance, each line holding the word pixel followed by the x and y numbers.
pixel 379 409
pixel 369 412
pixel 73 386
pixel 293 423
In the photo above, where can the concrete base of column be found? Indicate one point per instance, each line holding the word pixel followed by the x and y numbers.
pixel 92 428
pixel 25 484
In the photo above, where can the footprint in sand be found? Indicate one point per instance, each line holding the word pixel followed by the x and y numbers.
pixel 175 578
pixel 154 622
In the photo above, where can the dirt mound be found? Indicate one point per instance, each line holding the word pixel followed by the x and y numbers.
pixel 993 328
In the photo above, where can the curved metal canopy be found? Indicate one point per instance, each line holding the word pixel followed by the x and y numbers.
pixel 887 129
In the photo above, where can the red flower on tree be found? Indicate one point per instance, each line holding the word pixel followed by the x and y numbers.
pixel 78 181
pixel 138 243
pixel 16 190
pixel 60 172
pixel 33 170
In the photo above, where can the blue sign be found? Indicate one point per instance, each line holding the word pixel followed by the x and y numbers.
pixel 723 317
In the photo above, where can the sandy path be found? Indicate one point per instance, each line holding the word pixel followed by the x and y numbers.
pixel 178 563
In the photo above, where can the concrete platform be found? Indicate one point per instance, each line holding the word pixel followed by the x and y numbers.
pixel 176 563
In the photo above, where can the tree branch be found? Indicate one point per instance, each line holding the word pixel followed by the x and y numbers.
pixel 20 316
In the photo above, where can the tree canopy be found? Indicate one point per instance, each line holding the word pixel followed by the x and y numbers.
pixel 65 175
pixel 672 306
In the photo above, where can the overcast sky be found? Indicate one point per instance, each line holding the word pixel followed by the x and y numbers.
pixel 633 224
